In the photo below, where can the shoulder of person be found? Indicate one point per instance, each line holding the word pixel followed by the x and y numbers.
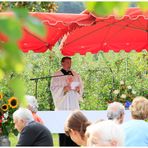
pixel 58 72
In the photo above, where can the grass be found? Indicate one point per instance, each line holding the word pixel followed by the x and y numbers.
pixel 13 139
pixel 55 140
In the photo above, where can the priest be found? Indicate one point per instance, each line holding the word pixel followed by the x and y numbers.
pixel 67 89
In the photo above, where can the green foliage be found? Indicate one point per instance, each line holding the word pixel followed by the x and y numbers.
pixel 34 25
pixel 101 74
pixel 123 93
pixel 12 29
pixel 106 8
pixel 11 61
pixel 143 5
pixel 31 6
pixel 112 8
pixel 40 65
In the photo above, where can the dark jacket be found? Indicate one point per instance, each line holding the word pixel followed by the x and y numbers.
pixel 35 134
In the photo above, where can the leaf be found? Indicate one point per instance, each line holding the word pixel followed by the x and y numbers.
pixel 1 74
pixel 143 5
pixel 11 49
pixel 99 8
pixel 107 8
pixel 18 87
pixel 120 8
pixel 21 13
pixel 13 60
pixel 19 67
pixel 11 28
pixel 35 26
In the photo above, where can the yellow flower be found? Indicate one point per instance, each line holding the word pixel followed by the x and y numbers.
pixel 1 96
pixel 5 107
pixel 13 102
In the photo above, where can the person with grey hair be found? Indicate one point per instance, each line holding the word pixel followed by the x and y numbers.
pixel 136 129
pixel 104 133
pixel 31 133
pixel 115 111
pixel 33 107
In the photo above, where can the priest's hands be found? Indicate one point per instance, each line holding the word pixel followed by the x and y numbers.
pixel 77 89
pixel 67 88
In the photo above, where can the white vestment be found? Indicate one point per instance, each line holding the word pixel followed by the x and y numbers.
pixel 69 100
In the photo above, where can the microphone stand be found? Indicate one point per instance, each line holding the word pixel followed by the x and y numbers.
pixel 42 78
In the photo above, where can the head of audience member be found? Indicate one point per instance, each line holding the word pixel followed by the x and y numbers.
pixel 139 108
pixel 21 118
pixel 32 104
pixel 75 127
pixel 66 63
pixel 115 111
pixel 104 133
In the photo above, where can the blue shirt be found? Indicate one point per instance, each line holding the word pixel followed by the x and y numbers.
pixel 136 133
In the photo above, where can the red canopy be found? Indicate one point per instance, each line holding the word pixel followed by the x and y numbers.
pixel 57 24
pixel 87 33
pixel 127 33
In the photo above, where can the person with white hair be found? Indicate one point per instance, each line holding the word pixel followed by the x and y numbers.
pixel 33 107
pixel 31 133
pixel 105 133
pixel 115 111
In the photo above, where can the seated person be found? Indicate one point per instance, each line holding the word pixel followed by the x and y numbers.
pixel 136 130
pixel 115 111
pixel 104 133
pixel 31 133
pixel 33 107
pixel 75 127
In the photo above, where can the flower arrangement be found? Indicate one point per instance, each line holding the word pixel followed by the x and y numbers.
pixel 7 107
pixel 124 94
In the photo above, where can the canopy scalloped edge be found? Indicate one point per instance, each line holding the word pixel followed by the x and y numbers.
pixel 109 50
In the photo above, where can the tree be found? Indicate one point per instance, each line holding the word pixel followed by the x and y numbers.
pixel 31 6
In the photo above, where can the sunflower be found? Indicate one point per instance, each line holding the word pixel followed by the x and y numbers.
pixel 13 102
pixel 4 107
pixel 1 96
